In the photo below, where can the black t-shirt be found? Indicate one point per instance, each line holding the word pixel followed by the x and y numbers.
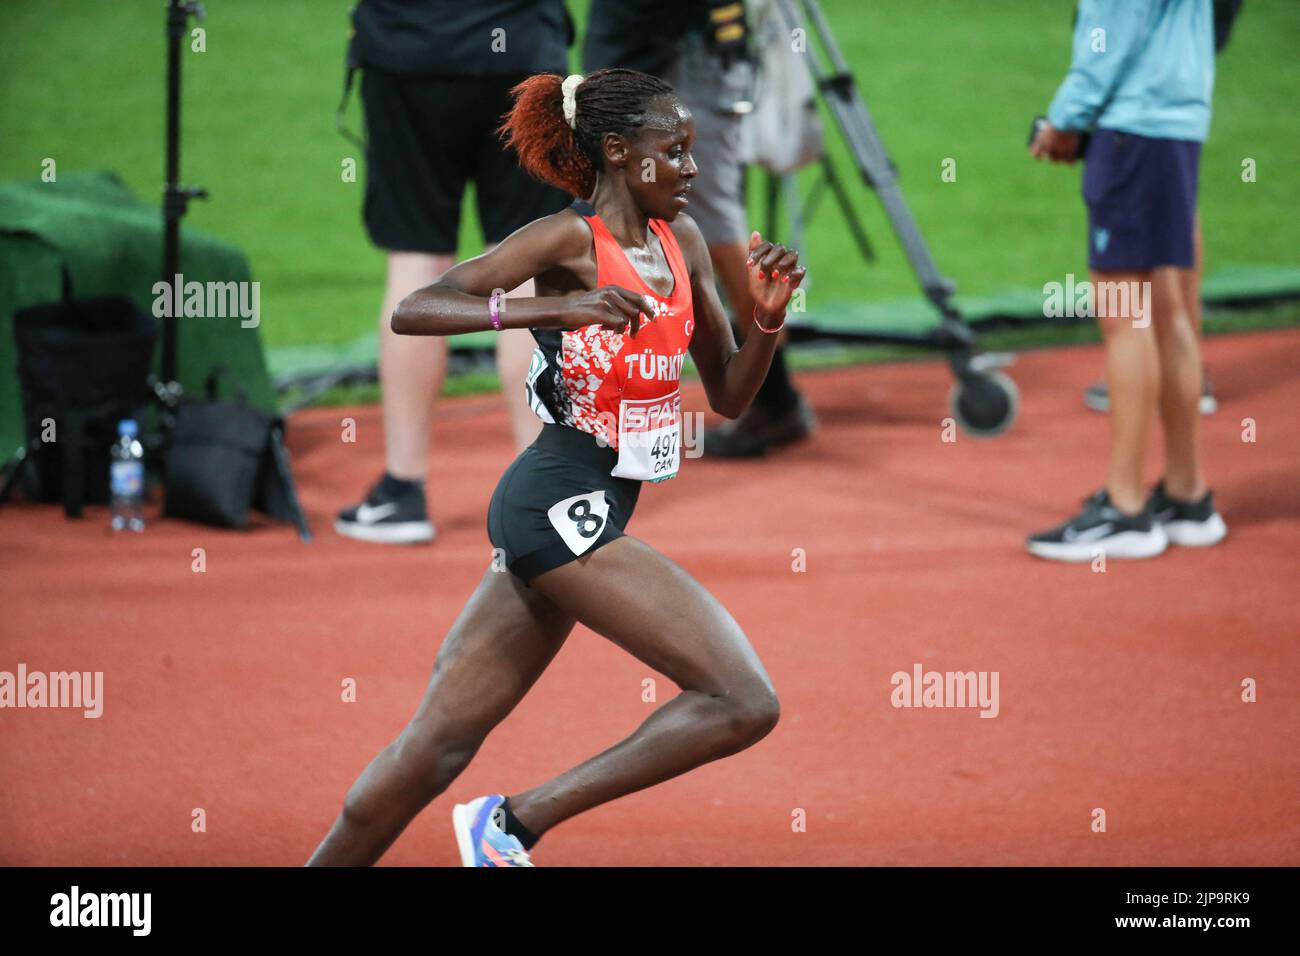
pixel 462 37
pixel 643 35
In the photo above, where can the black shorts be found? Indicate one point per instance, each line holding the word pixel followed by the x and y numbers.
pixel 426 137
pixel 558 501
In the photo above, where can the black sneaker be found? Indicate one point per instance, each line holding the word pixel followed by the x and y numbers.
pixel 1192 524
pixel 393 513
pixel 1101 527
pixel 758 429
pixel 1097 397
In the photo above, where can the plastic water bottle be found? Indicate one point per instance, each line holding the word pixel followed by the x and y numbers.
pixel 126 478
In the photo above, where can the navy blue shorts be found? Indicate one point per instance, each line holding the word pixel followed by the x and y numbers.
pixel 1141 198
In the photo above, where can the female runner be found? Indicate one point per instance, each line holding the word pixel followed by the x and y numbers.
pixel 624 288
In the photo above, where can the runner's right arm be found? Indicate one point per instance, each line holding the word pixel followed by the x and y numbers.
pixel 553 250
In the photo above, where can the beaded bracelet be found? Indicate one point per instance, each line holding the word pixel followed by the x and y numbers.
pixel 494 310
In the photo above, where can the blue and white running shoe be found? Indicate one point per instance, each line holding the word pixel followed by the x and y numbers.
pixel 481 841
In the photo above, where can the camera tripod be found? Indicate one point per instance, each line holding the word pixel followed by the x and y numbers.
pixel 983 400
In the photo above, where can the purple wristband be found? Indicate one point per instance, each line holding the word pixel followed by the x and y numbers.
pixel 494 310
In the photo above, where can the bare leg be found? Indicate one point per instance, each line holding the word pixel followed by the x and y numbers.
pixel 1133 374
pixel 649 606
pixel 496 650
pixel 1180 383
pixel 1190 281
pixel 411 368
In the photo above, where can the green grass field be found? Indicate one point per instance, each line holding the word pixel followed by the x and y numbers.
pixel 944 79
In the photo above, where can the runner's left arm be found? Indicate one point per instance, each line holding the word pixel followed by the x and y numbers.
pixel 731 375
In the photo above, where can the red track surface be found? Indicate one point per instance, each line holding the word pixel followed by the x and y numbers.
pixel 1119 690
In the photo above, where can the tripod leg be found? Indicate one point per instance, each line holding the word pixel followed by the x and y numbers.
pixel 846 206
pixel 290 489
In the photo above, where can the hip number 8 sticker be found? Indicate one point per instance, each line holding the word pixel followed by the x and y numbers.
pixel 579 520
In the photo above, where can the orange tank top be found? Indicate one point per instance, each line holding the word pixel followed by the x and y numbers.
pixel 608 383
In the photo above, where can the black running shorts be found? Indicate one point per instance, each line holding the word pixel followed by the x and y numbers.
pixel 558 501
pixel 426 137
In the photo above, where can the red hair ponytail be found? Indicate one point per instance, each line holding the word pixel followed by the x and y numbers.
pixel 608 101
pixel 547 146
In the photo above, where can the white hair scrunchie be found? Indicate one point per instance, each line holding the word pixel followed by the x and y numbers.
pixel 570 90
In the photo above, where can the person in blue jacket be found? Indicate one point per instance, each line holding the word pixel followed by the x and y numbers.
pixel 1140 82
pixel 1097 396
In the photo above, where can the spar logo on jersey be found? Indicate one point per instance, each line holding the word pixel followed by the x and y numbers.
pixel 651 414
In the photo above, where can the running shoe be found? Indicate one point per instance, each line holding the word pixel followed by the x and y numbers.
pixel 1191 524
pixel 481 841
pixel 1097 397
pixel 758 429
pixel 394 512
pixel 1101 527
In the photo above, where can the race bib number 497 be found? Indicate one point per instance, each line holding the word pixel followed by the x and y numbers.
pixel 649 438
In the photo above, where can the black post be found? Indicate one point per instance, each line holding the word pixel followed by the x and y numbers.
pixel 175 196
